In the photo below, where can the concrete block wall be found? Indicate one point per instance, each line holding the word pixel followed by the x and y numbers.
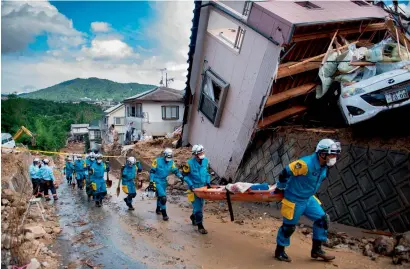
pixel 369 187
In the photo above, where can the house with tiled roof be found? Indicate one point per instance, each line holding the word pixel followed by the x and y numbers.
pixel 155 112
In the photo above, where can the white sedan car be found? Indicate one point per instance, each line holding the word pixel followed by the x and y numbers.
pixel 365 99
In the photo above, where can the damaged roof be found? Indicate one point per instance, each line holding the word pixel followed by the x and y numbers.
pixel 159 94
pixel 309 12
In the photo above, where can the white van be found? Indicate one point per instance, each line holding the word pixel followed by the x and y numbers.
pixel 7 141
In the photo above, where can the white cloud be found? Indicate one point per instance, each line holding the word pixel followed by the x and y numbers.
pixel 22 21
pixel 99 26
pixel 107 55
pixel 114 48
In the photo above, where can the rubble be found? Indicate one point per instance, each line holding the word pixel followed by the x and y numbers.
pixel 34 264
pixel 384 245
pixel 37 231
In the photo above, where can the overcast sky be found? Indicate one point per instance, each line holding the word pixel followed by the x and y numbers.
pixel 45 43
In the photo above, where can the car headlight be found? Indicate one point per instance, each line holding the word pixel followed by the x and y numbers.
pixel 349 92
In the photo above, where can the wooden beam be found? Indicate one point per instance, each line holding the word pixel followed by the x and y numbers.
pixel 280 116
pixel 330 48
pixel 288 94
pixel 317 57
pixel 323 34
pixel 286 71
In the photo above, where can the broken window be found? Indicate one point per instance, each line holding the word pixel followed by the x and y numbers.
pixel 227 31
pixel 212 98
pixel 307 5
pixel 170 112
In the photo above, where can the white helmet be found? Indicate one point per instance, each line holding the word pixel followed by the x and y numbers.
pixel 92 155
pixel 46 161
pixel 197 149
pixel 36 160
pixel 328 146
pixel 168 154
pixel 79 156
pixel 131 160
pixel 69 159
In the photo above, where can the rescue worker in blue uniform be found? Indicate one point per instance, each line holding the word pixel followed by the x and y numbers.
pixel 69 170
pixel 160 169
pixel 35 176
pixel 196 175
pixel 88 184
pixel 129 173
pixel 80 169
pixel 48 178
pixel 98 185
pixel 299 181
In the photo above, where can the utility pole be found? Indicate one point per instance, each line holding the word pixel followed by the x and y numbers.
pixel 166 77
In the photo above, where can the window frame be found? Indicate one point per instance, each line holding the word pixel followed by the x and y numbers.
pixel 222 98
pixel 361 3
pixel 235 45
pixel 307 4
pixel 137 109
pixel 115 121
pixel 164 111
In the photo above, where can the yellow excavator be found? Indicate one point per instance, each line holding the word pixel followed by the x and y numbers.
pixel 27 132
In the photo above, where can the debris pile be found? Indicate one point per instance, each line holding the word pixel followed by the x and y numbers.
pixel 398 248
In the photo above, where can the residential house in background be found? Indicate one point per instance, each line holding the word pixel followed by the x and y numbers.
pixel 115 115
pixel 155 112
pixel 94 134
pixel 79 131
pixel 239 79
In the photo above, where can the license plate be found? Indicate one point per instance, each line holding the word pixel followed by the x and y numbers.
pixel 395 96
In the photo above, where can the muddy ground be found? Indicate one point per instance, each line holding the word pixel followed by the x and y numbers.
pixel 114 237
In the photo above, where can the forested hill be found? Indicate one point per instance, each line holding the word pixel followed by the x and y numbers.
pixel 94 88
pixel 49 121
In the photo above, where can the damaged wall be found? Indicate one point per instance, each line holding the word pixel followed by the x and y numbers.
pixel 369 187
pixel 249 73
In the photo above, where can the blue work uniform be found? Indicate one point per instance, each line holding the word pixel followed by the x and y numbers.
pixel 35 177
pixel 80 168
pixel 197 175
pixel 300 180
pixel 89 190
pixel 160 169
pixel 97 178
pixel 128 184
pixel 69 170
pixel 48 179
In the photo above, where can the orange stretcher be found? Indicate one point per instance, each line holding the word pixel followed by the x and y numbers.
pixel 220 193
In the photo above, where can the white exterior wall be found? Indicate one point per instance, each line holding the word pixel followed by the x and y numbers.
pixel 153 123
pixel 119 113
pixel 82 130
pixel 250 74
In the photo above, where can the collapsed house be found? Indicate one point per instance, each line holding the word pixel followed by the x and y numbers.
pixel 256 66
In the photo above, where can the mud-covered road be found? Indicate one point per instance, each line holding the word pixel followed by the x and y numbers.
pixel 114 237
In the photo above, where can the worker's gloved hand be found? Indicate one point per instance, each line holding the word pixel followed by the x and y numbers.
pixel 208 186
pixel 278 191
pixel 181 178
pixel 191 188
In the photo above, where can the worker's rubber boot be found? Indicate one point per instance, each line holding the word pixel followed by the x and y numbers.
pixel 48 199
pixel 130 207
pixel 281 255
pixel 192 217
pixel 201 229
pixel 97 203
pixel 164 215
pixel 55 198
pixel 317 252
pixel 158 211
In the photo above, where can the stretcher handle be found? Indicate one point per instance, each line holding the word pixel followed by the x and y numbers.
pixel 228 199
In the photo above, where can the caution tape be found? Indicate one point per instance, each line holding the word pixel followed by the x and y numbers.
pixel 54 152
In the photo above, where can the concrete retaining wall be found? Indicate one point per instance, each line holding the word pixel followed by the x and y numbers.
pixel 369 187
